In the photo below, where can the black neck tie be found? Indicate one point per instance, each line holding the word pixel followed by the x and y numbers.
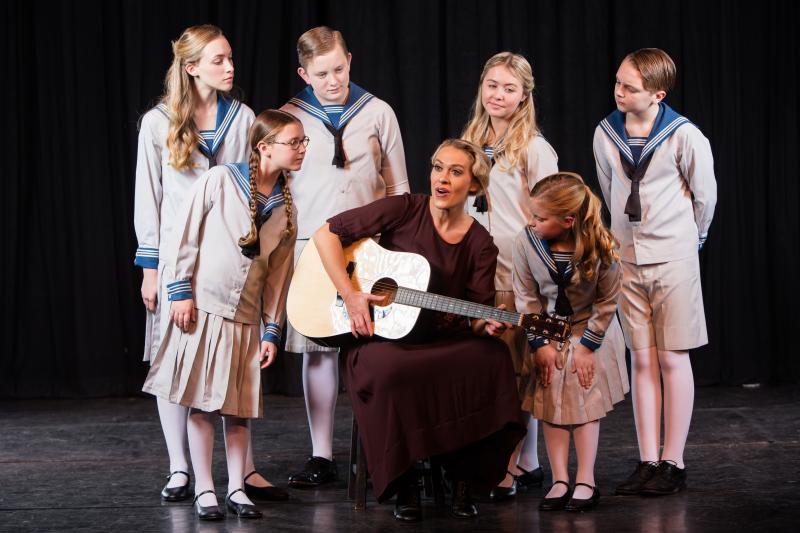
pixel 338 149
pixel 633 207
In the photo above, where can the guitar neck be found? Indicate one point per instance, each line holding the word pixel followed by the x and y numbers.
pixel 445 304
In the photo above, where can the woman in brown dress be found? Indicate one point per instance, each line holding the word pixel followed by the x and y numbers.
pixel 446 390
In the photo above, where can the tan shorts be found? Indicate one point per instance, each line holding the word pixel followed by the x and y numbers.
pixel 295 342
pixel 662 305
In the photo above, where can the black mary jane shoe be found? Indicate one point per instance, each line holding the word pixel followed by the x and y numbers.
pixel 502 494
pixel 269 494
pixel 408 504
pixel 317 471
pixel 645 470
pixel 242 510
pixel 462 501
pixel 211 512
pixel 667 479
pixel 581 505
pixel 558 503
pixel 176 494
pixel 529 479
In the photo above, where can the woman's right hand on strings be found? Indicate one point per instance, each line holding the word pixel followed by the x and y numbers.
pixel 150 288
pixel 547 359
pixel 357 304
pixel 183 314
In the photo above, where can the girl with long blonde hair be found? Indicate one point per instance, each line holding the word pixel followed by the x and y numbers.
pixel 195 125
pixel 566 265
pixel 504 123
pixel 221 290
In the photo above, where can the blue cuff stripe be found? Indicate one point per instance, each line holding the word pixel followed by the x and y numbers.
pixel 179 290
pixel 536 341
pixel 146 257
pixel 592 339
pixel 272 333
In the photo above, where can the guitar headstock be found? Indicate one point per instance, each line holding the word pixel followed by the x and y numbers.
pixel 546 326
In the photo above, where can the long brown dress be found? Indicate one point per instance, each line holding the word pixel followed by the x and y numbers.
pixel 442 391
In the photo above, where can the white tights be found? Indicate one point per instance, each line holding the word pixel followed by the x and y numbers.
pixel 321 388
pixel 556 439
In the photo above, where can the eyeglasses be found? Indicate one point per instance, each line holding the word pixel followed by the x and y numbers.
pixel 294 144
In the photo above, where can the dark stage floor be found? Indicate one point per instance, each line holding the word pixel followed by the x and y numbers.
pixel 97 465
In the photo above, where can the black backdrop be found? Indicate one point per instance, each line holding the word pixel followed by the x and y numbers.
pixel 79 74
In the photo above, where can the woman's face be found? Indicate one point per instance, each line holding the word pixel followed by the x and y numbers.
pixel 501 93
pixel 451 178
pixel 214 70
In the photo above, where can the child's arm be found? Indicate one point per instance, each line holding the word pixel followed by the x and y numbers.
pixel 393 158
pixel 609 281
pixel 187 234
pixel 697 168
pixel 273 298
pixel 542 160
pixel 603 170
pixel 148 195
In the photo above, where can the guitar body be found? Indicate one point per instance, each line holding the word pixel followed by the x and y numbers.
pixel 313 305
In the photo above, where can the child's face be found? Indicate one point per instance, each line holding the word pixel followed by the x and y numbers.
pixel 629 91
pixel 451 179
pixel 329 76
pixel 501 93
pixel 214 70
pixel 546 225
pixel 281 152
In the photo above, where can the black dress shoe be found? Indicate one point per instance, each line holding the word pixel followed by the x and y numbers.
pixel 633 485
pixel 269 494
pixel 318 470
pixel 242 510
pixel 407 506
pixel 176 494
pixel 534 478
pixel 211 512
pixel 502 494
pixel 462 501
pixel 668 479
pixel 557 503
pixel 580 504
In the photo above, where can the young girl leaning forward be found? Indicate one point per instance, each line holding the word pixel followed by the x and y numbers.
pixel 566 265
pixel 224 287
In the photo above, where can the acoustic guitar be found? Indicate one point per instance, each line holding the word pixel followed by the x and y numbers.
pixel 316 310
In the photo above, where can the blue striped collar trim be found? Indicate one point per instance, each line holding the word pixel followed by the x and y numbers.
pixel 544 253
pixel 357 98
pixel 226 113
pixel 241 173
pixel 667 121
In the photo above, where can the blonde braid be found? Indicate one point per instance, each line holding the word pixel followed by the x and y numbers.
pixel 287 199
pixel 252 237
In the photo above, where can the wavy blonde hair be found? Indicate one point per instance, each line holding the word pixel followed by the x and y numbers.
pixel 522 128
pixel 180 96
pixel 480 165
pixel 563 194
pixel 267 126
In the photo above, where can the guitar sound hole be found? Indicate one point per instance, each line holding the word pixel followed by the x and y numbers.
pixel 386 287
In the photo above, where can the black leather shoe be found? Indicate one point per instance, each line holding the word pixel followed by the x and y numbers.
pixel 318 470
pixel 558 503
pixel 534 478
pixel 668 479
pixel 462 501
pixel 633 485
pixel 407 506
pixel 502 494
pixel 176 494
pixel 211 512
pixel 269 494
pixel 242 510
pixel 579 504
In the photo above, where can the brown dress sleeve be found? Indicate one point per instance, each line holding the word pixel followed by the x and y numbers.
pixel 377 217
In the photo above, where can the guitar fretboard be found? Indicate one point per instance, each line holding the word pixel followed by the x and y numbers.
pixel 445 304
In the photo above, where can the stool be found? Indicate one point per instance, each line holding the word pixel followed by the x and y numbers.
pixel 357 475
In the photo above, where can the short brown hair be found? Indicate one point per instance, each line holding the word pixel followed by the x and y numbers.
pixel 318 41
pixel 656 68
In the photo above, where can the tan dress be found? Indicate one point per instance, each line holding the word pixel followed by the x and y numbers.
pixel 594 324
pixel 215 365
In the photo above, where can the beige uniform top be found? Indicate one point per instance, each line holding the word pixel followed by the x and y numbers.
pixel 375 168
pixel 209 265
pixel 509 202
pixel 678 195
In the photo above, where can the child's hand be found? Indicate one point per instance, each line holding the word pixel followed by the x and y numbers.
pixel 268 353
pixel 150 288
pixel 547 359
pixel 583 365
pixel 183 313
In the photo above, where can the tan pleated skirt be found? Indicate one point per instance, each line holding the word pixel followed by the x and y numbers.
pixel 565 402
pixel 213 367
